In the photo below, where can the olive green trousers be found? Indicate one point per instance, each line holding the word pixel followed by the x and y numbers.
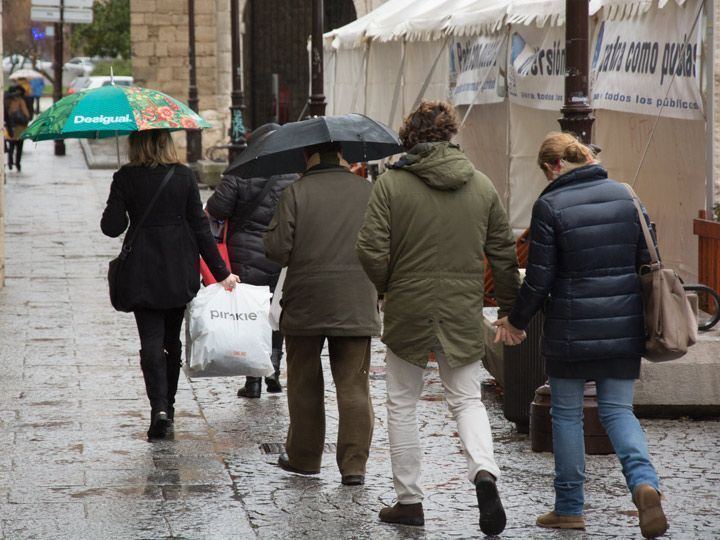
pixel 349 364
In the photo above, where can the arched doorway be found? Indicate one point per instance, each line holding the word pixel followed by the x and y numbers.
pixel 275 55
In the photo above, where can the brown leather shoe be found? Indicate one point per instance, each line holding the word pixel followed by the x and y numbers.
pixel 404 514
pixel 284 464
pixel 653 522
pixel 551 520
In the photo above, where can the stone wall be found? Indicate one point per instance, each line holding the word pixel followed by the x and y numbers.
pixel 2 178
pixel 159 34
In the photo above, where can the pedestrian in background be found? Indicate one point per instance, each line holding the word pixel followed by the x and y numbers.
pixel 163 267
pixel 24 82
pixel 17 118
pixel 586 249
pixel 431 219
pixel 326 297
pixel 249 204
pixel 37 86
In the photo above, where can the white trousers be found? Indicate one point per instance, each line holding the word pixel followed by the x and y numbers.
pixel 462 393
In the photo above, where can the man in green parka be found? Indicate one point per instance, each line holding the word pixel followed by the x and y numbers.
pixel 431 220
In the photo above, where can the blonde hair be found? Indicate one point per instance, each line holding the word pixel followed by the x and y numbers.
pixel 151 148
pixel 563 146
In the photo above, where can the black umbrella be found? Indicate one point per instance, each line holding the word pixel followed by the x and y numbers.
pixel 281 151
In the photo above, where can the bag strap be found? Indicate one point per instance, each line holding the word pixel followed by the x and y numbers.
pixel 654 257
pixel 249 208
pixel 127 245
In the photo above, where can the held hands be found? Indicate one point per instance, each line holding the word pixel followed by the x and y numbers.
pixel 507 333
pixel 230 282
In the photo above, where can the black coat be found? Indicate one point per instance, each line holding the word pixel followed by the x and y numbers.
pixel 586 246
pixel 163 269
pixel 245 234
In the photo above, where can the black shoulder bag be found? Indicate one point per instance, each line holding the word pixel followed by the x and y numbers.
pixel 115 269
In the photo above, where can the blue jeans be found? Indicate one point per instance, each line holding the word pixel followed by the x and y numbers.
pixel 615 397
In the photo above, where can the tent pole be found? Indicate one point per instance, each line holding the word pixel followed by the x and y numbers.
pixel 710 108
pixel 398 84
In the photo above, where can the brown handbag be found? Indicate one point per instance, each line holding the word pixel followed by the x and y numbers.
pixel 670 322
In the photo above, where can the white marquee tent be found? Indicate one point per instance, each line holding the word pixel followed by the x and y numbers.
pixel 502 64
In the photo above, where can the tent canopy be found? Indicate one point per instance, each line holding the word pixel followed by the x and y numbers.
pixel 424 20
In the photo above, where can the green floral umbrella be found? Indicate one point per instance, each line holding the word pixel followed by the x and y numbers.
pixel 110 111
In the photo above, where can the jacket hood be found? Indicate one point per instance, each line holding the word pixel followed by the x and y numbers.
pixel 441 165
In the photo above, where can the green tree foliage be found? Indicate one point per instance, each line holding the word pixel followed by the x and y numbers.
pixel 109 33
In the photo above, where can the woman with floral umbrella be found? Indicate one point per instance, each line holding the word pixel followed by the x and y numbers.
pixel 157 200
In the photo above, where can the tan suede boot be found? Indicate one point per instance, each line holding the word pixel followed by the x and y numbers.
pixel 551 520
pixel 653 522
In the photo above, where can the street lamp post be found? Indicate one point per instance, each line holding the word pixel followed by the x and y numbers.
pixel 58 70
pixel 576 118
pixel 576 112
pixel 194 136
pixel 316 103
pixel 237 106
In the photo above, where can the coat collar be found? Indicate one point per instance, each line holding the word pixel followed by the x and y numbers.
pixel 581 174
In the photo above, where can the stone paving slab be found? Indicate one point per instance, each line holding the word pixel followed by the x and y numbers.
pixel 73 415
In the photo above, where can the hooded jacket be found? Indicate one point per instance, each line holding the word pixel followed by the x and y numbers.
pixel 245 233
pixel 429 222
pixel 586 246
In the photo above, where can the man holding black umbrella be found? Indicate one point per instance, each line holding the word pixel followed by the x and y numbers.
pixel 326 297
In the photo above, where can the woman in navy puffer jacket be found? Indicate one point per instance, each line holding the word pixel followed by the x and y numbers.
pixel 585 252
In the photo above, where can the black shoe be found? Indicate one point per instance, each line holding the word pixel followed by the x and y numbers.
pixel 403 514
pixel 252 388
pixel 273 384
pixel 18 167
pixel 158 426
pixel 492 513
pixel 284 464
pixel 353 480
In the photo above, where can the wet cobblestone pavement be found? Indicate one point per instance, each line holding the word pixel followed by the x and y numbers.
pixel 73 415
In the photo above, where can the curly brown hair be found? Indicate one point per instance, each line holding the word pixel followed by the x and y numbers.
pixel 432 121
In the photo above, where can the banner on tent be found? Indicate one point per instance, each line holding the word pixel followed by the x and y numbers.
pixel 536 66
pixel 475 69
pixel 636 61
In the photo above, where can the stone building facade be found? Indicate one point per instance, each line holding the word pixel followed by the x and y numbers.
pixel 2 176
pixel 275 34
pixel 159 34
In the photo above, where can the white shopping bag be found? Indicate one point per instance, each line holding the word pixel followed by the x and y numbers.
pixel 275 308
pixel 228 333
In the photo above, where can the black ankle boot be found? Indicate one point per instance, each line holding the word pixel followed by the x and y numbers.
pixel 158 425
pixel 154 369
pixel 273 382
pixel 252 388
